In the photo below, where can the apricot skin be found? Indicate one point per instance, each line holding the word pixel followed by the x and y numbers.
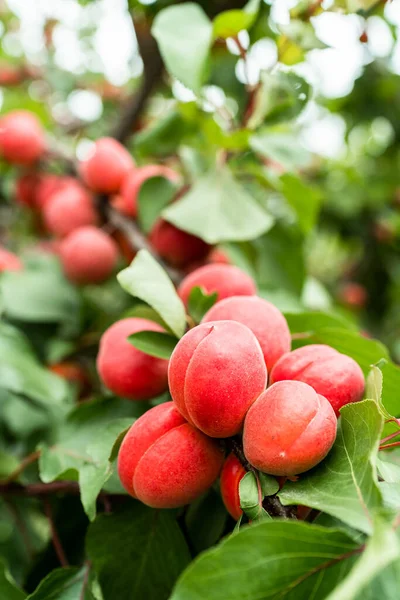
pixel 289 429
pixel 68 209
pixel 232 472
pixel 175 246
pixel 128 200
pixel 25 189
pixel 88 255
pixel 225 280
pixel 332 374
pixel 215 373
pixel 263 318
pixel 124 369
pixel 106 167
pixel 9 261
pixel 165 462
pixel 21 137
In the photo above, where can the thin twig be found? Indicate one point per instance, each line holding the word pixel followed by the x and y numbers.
pixel 54 534
pixel 85 580
pixel 386 446
pixel 28 460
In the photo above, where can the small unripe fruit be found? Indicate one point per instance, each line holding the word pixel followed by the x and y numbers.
pixel 124 369
pixel 216 372
pixel 88 255
pixel 218 256
pixel 107 166
pixel 266 322
pixel 332 374
pixel 128 201
pixel 176 246
pixel 289 429
pixel 232 473
pixel 21 137
pixel 9 261
pixel 225 280
pixel 74 373
pixel 69 209
pixel 165 462
pixel 26 189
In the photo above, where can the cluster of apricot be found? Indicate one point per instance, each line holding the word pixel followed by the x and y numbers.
pixel 217 376
pixel 64 206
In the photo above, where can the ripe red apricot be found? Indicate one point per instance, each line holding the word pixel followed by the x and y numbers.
pixel 9 261
pixel 124 369
pixel 332 374
pixel 165 462
pixel 215 373
pixel 88 255
pixel 128 201
pixel 26 189
pixel 176 246
pixel 289 429
pixel 21 137
pixel 263 318
pixel 226 280
pixel 106 167
pixel 48 185
pixel 68 209
pixel 232 472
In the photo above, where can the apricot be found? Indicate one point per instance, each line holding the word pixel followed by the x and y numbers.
pixel 266 322
pixel 165 462
pixel 128 201
pixel 9 261
pixel 225 280
pixel 88 255
pixel 215 373
pixel 106 167
pixel 332 374
pixel 26 189
pixel 124 369
pixel 353 294
pixel 48 185
pixel 22 138
pixel 232 472
pixel 176 246
pixel 68 209
pixel 289 429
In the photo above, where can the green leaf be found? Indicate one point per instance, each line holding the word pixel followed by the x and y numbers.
pixel 303 198
pixel 21 372
pixel 312 321
pixel 269 484
pixel 230 22
pixel 145 279
pixel 184 36
pixel 281 147
pixel 280 261
pixel 148 542
pixel 217 208
pixel 281 97
pixel 40 293
pixel 345 484
pixel 154 195
pixel 381 549
pixel 80 453
pixel 200 303
pixel 8 588
pixel 388 465
pixel 64 584
pixel 154 343
pixel 250 501
pixel 391 496
pixel 270 559
pixel 208 509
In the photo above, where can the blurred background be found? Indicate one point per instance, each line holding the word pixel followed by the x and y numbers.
pixel 75 63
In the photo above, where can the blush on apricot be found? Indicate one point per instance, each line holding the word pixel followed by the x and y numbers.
pixel 106 167
pixel 232 473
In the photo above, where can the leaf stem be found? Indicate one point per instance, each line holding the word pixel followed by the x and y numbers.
pixel 28 460
pixel 386 446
